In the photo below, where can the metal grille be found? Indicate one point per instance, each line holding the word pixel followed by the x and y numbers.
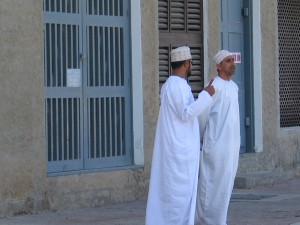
pixel 104 7
pixel 289 62
pixel 106 49
pixel 87 84
pixel 106 120
pixel 63 129
pixel 62 6
pixel 62 44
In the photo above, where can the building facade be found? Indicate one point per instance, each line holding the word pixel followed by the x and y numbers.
pixel 80 83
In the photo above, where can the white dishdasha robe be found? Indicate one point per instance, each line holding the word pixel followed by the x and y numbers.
pixel 220 125
pixel 175 160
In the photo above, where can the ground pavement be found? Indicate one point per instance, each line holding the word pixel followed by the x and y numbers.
pixel 268 205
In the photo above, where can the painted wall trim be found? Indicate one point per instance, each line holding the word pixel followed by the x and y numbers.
pixel 205 42
pixel 137 83
pixel 257 82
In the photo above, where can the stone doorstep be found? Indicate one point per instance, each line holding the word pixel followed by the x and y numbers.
pixel 251 180
pixel 249 197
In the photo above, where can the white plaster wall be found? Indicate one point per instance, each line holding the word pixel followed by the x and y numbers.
pixel 25 187
pixel 22 150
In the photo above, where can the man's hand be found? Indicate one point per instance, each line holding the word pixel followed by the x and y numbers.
pixel 210 88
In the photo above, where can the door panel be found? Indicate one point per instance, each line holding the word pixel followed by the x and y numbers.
pixel 232 39
pixel 88 126
pixel 107 84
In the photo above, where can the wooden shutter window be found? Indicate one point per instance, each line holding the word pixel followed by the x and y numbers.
pixel 163 15
pixel 180 23
pixel 194 15
pixel 177 15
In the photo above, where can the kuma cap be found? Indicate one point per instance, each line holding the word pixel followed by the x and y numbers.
pixel 180 54
pixel 218 58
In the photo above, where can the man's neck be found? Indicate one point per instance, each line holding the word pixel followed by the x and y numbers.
pixel 179 73
pixel 224 76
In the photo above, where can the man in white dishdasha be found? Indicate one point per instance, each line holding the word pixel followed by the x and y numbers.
pixel 220 126
pixel 175 162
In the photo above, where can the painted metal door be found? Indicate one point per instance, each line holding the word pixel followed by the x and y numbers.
pixel 87 84
pixel 233 39
pixel 107 115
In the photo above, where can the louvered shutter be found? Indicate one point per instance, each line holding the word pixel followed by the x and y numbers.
pixel 180 23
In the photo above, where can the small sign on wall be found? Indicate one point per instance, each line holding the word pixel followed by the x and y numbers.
pixel 73 78
pixel 237 57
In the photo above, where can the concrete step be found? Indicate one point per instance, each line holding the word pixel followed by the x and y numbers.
pixel 251 180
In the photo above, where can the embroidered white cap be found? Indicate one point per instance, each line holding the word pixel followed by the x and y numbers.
pixel 221 55
pixel 180 54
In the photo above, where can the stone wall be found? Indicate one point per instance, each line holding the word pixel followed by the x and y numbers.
pixel 22 149
pixel 25 186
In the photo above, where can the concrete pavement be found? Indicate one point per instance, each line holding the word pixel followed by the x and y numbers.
pixel 267 205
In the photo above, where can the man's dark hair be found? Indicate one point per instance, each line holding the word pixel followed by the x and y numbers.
pixel 176 65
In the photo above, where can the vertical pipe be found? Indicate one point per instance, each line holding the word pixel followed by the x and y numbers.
pixel 50 127
pixel 77 48
pixel 64 123
pixel 102 67
pixel 93 57
pixel 109 56
pixel 113 58
pixel 101 126
pixel 95 126
pixel 89 127
pixel 106 63
pixel 61 121
pixel 50 54
pixel 57 27
pixel 89 46
pixel 110 125
pixel 60 6
pixel 93 9
pixel 105 126
pixel 119 58
pixel 72 46
pixel 122 125
pixel 67 46
pixel 56 129
pixel 73 121
pixel 78 129
pixel 98 136
pixel 46 40
pixel 68 129
pixel 61 55
pixel 115 135
pixel 118 127
pixel 99 57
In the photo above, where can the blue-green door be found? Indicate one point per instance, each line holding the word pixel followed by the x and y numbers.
pixel 87 84
pixel 234 23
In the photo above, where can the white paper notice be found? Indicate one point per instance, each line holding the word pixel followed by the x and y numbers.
pixel 73 78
